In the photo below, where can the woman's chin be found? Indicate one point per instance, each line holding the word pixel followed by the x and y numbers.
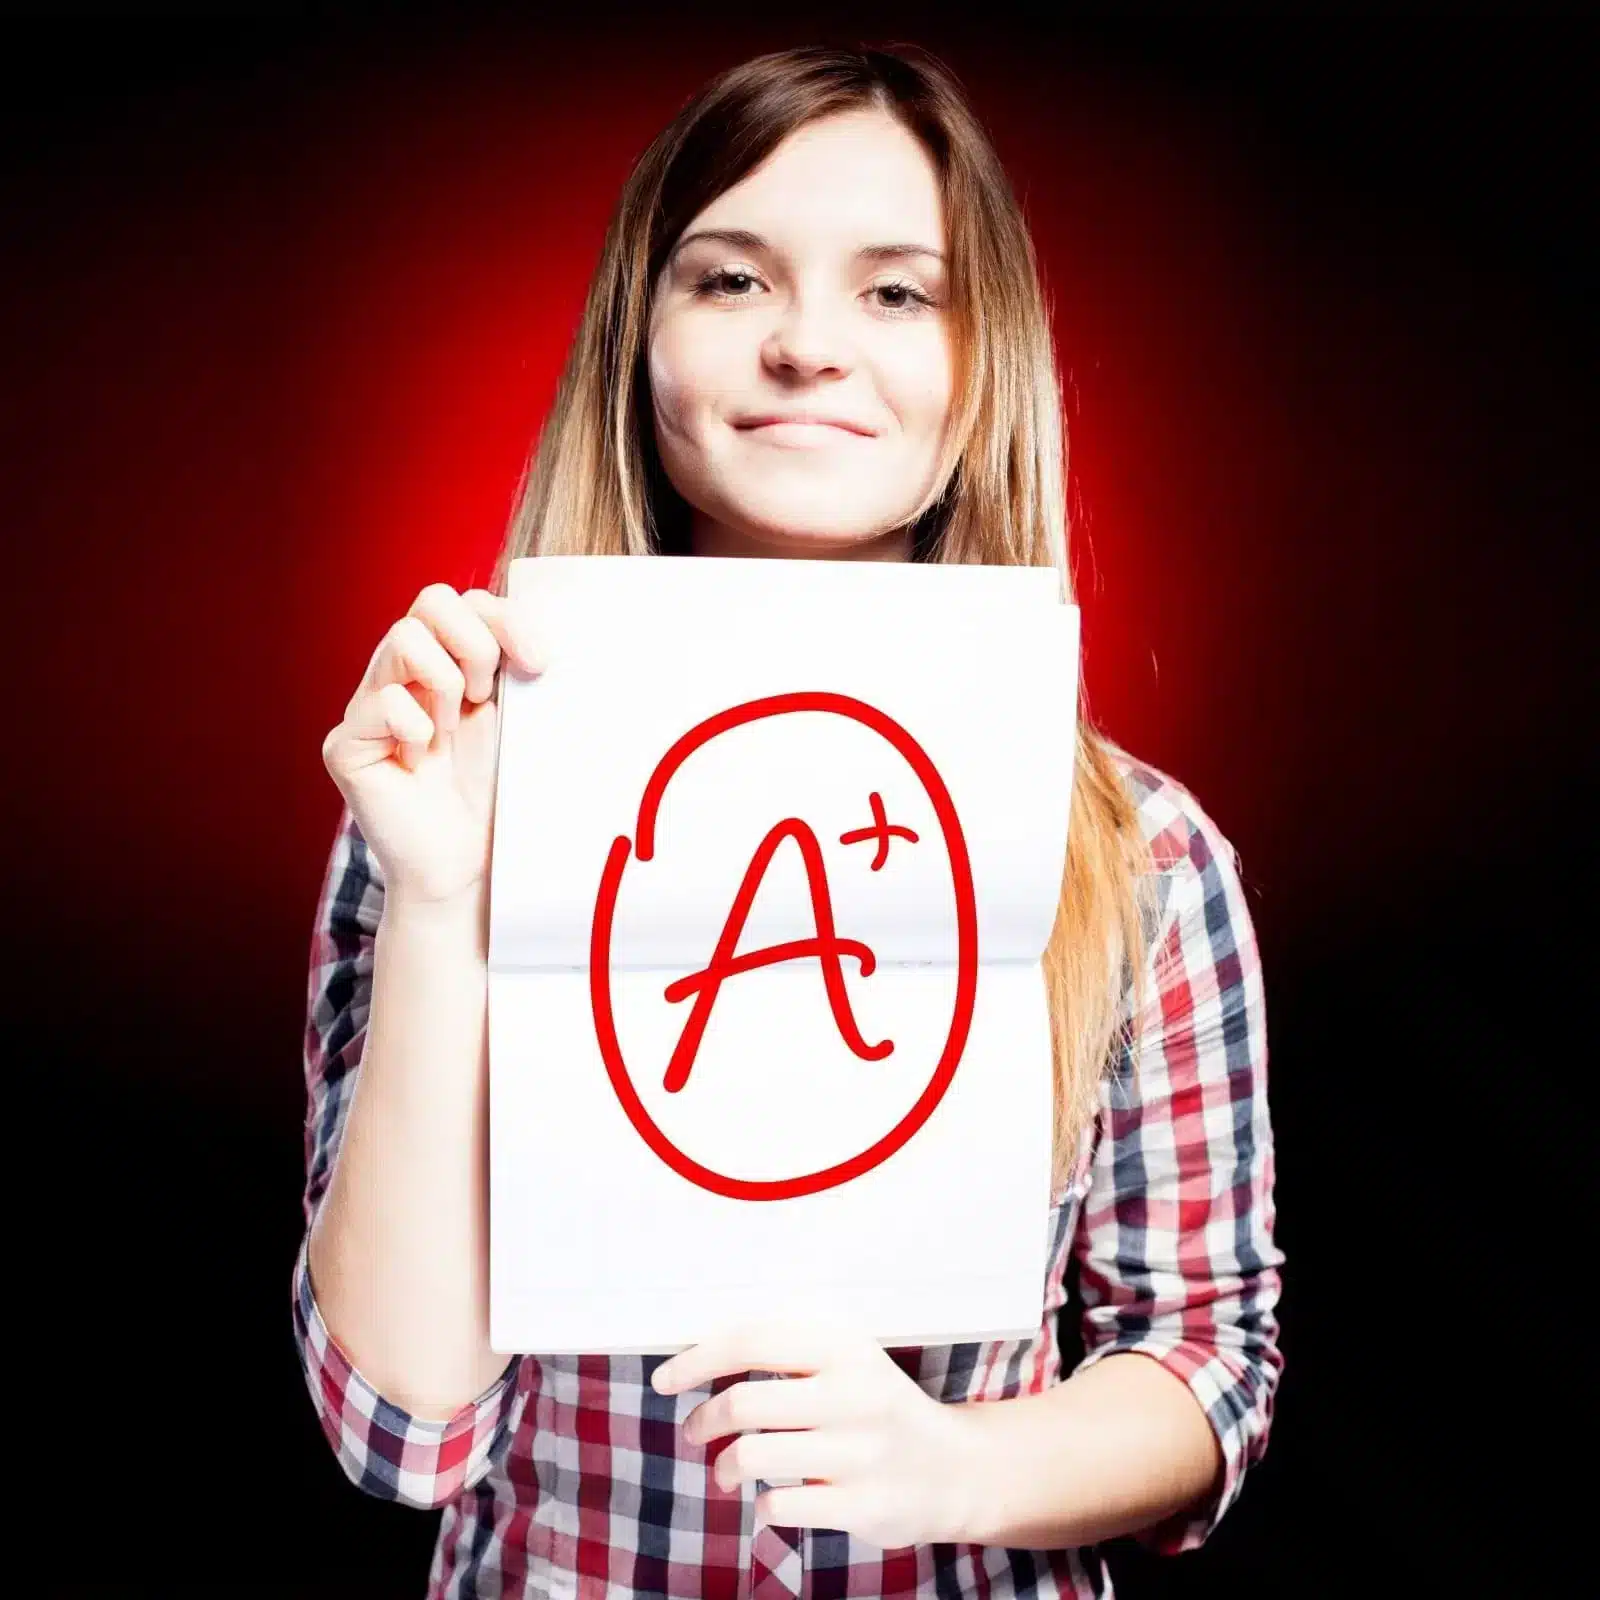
pixel 810 531
pixel 823 543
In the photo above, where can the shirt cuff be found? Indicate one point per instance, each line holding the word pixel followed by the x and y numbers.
pixel 1225 1396
pixel 384 1450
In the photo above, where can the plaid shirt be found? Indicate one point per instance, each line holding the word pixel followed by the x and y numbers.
pixel 570 1475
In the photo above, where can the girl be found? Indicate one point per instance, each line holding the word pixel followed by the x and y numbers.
pixel 816 331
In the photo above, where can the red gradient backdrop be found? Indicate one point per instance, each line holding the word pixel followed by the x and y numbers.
pixel 283 314
pixel 300 329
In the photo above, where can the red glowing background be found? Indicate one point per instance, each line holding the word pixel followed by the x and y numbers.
pixel 287 374
pixel 283 311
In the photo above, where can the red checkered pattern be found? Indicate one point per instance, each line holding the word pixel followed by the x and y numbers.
pixel 570 1476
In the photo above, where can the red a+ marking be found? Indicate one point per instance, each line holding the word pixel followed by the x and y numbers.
pixel 827 946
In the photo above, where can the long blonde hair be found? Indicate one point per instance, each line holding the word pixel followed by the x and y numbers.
pixel 594 483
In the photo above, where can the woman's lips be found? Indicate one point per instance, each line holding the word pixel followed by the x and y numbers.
pixel 800 433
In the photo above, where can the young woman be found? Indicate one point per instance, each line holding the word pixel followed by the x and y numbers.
pixel 816 330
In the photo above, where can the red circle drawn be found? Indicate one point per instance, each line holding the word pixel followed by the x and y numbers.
pixel 966 948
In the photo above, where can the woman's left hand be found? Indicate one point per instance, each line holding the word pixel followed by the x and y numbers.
pixel 880 1457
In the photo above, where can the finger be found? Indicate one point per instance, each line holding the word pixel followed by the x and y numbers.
pixel 762 1403
pixel 387 720
pixel 808 1453
pixel 809 1505
pixel 464 632
pixel 787 1347
pixel 411 653
pixel 510 626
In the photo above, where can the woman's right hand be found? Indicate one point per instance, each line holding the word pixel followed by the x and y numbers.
pixel 414 756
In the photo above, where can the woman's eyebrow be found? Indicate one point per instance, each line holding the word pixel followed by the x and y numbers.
pixel 744 239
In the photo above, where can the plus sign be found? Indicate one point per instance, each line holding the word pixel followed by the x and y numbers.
pixel 880 830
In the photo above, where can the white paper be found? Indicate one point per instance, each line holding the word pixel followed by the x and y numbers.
pixel 942 706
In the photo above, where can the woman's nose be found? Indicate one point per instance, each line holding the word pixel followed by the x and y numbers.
pixel 809 337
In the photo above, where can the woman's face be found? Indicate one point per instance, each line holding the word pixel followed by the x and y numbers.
pixel 828 303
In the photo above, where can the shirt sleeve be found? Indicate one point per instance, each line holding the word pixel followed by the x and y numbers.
pixel 1176 1254
pixel 381 1448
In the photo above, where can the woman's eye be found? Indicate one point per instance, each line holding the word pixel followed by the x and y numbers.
pixel 731 283
pixel 717 280
pixel 913 297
